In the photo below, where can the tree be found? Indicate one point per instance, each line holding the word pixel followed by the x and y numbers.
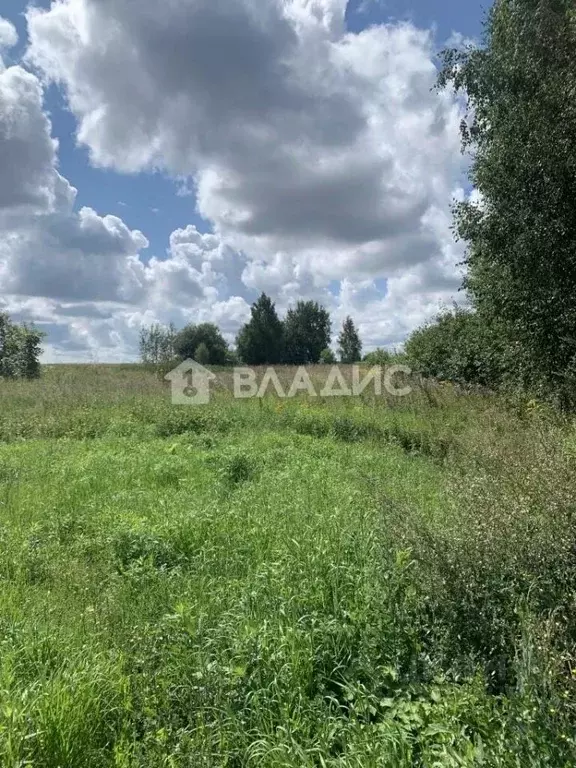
pixel 191 337
pixel 202 354
pixel 29 353
pixel 349 344
pixel 19 349
pixel 521 230
pixel 157 344
pixel 261 340
pixel 306 333
pixel 457 346
pixel 327 357
pixel 10 340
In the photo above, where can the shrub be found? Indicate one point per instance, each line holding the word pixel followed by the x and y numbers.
pixel 378 357
pixel 457 346
pixel 327 357
pixel 189 339
pixel 19 350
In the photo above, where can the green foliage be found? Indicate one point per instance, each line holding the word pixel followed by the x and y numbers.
pixel 327 357
pixel 29 353
pixel 202 354
pixel 190 338
pixel 261 340
pixel 378 357
pixel 233 358
pixel 521 232
pixel 306 333
pixel 335 582
pixel 349 344
pixel 457 346
pixel 157 344
pixel 19 350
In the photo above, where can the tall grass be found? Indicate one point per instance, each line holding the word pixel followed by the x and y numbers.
pixel 308 582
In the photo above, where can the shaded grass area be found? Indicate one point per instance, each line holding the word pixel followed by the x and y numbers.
pixel 285 583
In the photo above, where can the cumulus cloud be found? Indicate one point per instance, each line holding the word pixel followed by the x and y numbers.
pixel 8 34
pixel 323 161
pixel 27 151
pixel 297 133
pixel 79 257
pixel 47 249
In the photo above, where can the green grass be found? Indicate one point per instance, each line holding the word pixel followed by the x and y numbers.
pixel 339 582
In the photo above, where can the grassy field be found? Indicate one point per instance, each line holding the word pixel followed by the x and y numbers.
pixel 310 582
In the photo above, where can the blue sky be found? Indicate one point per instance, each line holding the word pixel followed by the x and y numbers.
pixel 287 249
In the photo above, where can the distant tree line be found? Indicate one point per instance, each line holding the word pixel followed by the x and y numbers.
pixel 303 337
pixel 20 350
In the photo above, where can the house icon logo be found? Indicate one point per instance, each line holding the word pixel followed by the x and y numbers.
pixel 190 383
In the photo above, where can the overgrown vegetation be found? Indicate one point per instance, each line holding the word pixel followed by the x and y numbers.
pixel 520 228
pixel 305 582
pixel 319 581
pixel 459 346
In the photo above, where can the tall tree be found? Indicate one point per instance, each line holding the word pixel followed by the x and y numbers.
pixel 521 230
pixel 192 336
pixel 19 349
pixel 349 344
pixel 29 352
pixel 157 344
pixel 306 332
pixel 261 340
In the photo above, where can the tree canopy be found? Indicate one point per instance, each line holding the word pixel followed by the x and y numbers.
pixel 521 227
pixel 189 340
pixel 19 349
pixel 301 338
pixel 157 344
pixel 261 340
pixel 306 332
pixel 457 346
pixel 349 344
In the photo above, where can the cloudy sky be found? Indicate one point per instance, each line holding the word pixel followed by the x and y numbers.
pixel 168 161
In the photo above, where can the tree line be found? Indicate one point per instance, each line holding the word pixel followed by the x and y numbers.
pixel 303 337
pixel 520 231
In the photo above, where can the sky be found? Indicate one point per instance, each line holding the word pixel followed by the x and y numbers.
pixel 168 162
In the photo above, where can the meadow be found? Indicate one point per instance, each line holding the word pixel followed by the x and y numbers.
pixel 325 582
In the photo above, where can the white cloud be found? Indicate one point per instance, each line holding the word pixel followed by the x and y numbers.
pixel 46 248
pixel 27 151
pixel 68 256
pixel 320 157
pixel 8 35
pixel 48 252
pixel 297 133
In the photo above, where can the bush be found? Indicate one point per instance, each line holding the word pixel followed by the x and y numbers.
pixel 327 357
pixel 157 344
pixel 19 350
pixel 457 346
pixel 378 357
pixel 190 339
